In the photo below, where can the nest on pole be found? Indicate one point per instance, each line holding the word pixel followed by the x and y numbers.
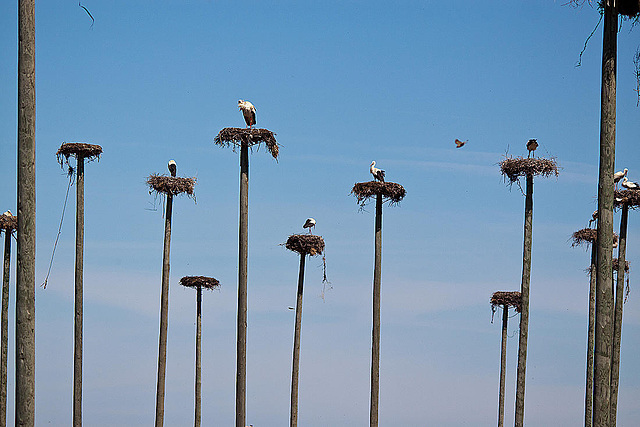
pixel 202 281
pixel 305 244
pixel 629 197
pixel 248 137
pixel 513 168
pixel 390 191
pixel 8 222
pixel 510 299
pixel 589 236
pixel 627 8
pixel 173 185
pixel 78 149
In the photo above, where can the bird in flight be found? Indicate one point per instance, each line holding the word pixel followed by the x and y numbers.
pixel 310 223
pixel 248 111
pixel 459 143
pixel 378 174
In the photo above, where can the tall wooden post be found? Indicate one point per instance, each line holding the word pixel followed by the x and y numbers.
pixel 503 364
pixel 524 314
pixel 241 348
pixel 198 391
pixel 78 319
pixel 617 325
pixel 375 334
pixel 164 311
pixel 293 420
pixel 604 271
pixel 588 395
pixel 25 405
pixel 6 273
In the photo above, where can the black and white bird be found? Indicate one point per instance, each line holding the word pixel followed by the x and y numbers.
pixel 248 111
pixel 310 223
pixel 619 175
pixel 532 144
pixel 7 213
pixel 594 218
pixel 378 174
pixel 630 185
pixel 173 167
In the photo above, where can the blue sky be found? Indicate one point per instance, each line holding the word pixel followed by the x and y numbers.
pixel 341 84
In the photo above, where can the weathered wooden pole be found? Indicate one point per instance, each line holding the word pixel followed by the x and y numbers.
pixel 241 344
pixel 617 325
pixel 25 400
pixel 375 333
pixel 293 419
pixel 503 364
pixel 588 395
pixel 604 270
pixel 7 224
pixel 78 318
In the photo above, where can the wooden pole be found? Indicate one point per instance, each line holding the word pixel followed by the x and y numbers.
pixel 241 348
pixel 604 270
pixel 78 319
pixel 293 420
pixel 6 273
pixel 375 334
pixel 524 314
pixel 25 403
pixel 617 325
pixel 503 364
pixel 588 395
pixel 198 398
pixel 164 312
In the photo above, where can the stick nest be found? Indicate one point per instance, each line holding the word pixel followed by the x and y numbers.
pixel 203 281
pixel 628 197
pixel 510 299
pixel 249 137
pixel 305 244
pixel 173 185
pixel 391 192
pixel 515 167
pixel 8 222
pixel 627 8
pixel 589 236
pixel 78 149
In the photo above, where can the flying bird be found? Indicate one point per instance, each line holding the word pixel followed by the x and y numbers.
pixel 459 143
pixel 378 174
pixel 248 111
pixel 630 185
pixel 310 223
pixel 619 175
pixel 532 144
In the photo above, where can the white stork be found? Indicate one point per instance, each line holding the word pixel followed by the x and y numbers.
pixel 7 213
pixel 619 175
pixel 248 111
pixel 378 174
pixel 173 167
pixel 630 185
pixel 532 144
pixel 594 218
pixel 310 223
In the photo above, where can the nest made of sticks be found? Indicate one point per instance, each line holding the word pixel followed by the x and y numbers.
pixel 510 299
pixel 8 222
pixel 203 281
pixel 248 137
pixel 588 235
pixel 629 197
pixel 627 8
pixel 390 191
pixel 305 244
pixel 173 185
pixel 515 167
pixel 78 149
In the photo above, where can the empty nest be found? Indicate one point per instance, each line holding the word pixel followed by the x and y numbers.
pixel 515 167
pixel 78 149
pixel 390 191
pixel 173 185
pixel 629 197
pixel 8 222
pixel 627 8
pixel 510 299
pixel 305 244
pixel 202 281
pixel 248 137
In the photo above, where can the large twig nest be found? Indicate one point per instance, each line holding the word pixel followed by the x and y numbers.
pixel 248 137
pixel 305 244
pixel 628 197
pixel 173 185
pixel 78 149
pixel 588 235
pixel 202 281
pixel 390 191
pixel 515 167
pixel 510 299
pixel 8 222
pixel 627 8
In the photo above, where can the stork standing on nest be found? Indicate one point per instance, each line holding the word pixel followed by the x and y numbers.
pixel 310 223
pixel 532 144
pixel 378 174
pixel 248 111
pixel 630 185
pixel 619 175
pixel 7 213
pixel 594 218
